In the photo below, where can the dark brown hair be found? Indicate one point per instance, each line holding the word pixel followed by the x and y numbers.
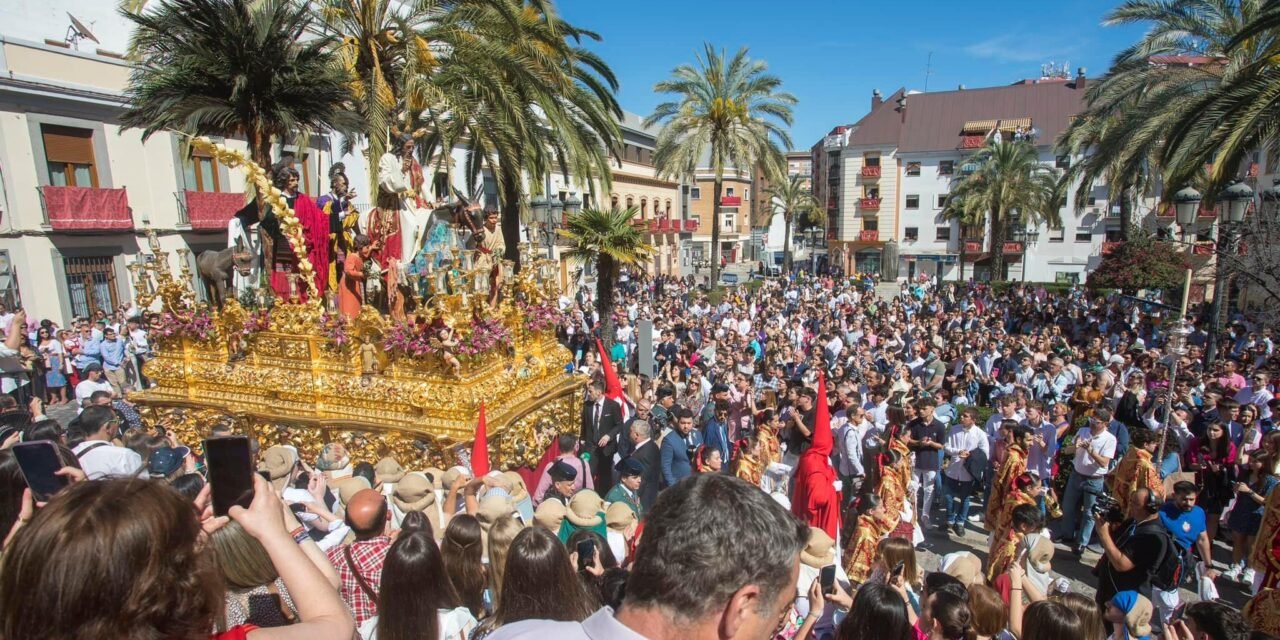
pixel 407 611
pixel 463 552
pixel 539 583
pixel 110 559
pixel 1048 620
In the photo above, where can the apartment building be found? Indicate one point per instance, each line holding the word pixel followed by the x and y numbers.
pixel 884 180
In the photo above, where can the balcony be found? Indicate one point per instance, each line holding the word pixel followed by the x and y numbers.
pixel 86 209
pixel 1203 248
pixel 973 246
pixel 690 225
pixel 868 236
pixel 869 204
pixel 1109 247
pixel 871 171
pixel 973 142
pixel 1012 247
pixel 731 201
pixel 206 210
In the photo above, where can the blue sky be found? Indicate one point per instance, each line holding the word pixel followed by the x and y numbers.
pixel 831 55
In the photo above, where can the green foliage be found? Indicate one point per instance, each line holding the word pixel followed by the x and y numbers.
pixel 794 200
pixel 609 238
pixel 1141 263
pixel 234 68
pixel 727 108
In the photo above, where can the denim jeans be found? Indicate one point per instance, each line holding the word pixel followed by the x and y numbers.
pixel 954 491
pixel 1082 493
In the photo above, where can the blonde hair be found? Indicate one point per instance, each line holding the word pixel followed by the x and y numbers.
pixel 894 550
pixel 243 561
pixel 501 533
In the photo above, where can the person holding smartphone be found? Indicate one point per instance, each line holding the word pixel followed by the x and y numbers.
pixel 98 456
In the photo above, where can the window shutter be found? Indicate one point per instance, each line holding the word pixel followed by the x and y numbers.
pixel 67 144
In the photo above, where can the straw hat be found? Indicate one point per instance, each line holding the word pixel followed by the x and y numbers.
pixel 279 462
pixel 619 516
pixel 962 566
pixel 436 474
pixel 349 487
pixel 518 489
pixel 550 514
pixel 388 470
pixel 452 476
pixel 492 507
pixel 585 509
pixel 414 492
pixel 820 551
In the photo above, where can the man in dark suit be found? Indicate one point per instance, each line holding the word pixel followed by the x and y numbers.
pixel 677 463
pixel 601 428
pixel 645 451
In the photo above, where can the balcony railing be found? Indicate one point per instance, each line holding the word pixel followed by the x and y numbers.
pixel 1012 247
pixel 690 225
pixel 972 142
pixel 871 171
pixel 731 201
pixel 870 204
pixel 207 211
pixel 1203 248
pixel 85 208
pixel 869 236
pixel 973 246
pixel 1108 247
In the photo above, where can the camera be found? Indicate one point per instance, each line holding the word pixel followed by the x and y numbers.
pixel 1108 508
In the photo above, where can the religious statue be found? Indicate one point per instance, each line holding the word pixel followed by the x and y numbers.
pixel 344 221
pixel 398 225
pixel 315 230
pixel 351 292
pixel 489 247
pixel 447 342
pixel 368 357
pixel 238 235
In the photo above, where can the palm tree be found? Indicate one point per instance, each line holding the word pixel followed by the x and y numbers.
pixel 610 239
pixel 516 85
pixel 793 198
pixel 1009 180
pixel 234 68
pixel 729 109
pixel 966 207
pixel 1124 134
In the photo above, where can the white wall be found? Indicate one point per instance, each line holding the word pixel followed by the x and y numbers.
pixel 40 19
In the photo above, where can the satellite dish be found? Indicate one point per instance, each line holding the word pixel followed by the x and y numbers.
pixel 77 31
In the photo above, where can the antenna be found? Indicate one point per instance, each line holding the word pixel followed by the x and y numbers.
pixel 928 70
pixel 76 31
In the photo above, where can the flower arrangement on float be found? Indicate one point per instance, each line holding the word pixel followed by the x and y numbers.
pixel 540 316
pixel 197 325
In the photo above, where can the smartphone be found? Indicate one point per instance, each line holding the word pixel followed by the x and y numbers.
pixel 39 461
pixel 586 553
pixel 230 472
pixel 827 578
pixel 898 569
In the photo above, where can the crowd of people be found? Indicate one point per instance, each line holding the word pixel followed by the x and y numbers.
pixel 773 468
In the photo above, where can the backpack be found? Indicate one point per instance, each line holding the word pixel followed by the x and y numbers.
pixel 1167 574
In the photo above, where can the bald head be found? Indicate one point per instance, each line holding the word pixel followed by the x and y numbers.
pixel 367 514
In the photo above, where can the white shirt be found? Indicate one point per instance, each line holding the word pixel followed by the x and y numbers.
pixel 1103 444
pixel 86 388
pixel 962 439
pixel 600 626
pixel 105 460
pixel 1258 398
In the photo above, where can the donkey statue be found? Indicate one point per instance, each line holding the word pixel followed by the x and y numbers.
pixel 217 267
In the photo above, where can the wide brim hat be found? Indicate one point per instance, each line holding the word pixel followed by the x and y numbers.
pixel 349 487
pixel 279 461
pixel 519 491
pixel 820 551
pixel 963 566
pixel 550 515
pixel 452 476
pixel 492 507
pixel 388 470
pixel 414 492
pixel 619 516
pixel 585 509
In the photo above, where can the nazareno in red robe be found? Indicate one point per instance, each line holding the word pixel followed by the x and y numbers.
pixel 814 497
pixel 315 230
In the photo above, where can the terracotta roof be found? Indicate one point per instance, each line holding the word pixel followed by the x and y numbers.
pixel 935 121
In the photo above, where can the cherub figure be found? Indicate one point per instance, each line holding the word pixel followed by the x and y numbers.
pixel 448 344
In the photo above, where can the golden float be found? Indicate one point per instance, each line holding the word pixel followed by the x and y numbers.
pixel 295 373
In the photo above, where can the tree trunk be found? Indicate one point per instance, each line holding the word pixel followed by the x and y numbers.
pixel 260 149
pixel 715 231
pixel 961 278
pixel 786 242
pixel 1126 213
pixel 997 245
pixel 510 223
pixel 605 277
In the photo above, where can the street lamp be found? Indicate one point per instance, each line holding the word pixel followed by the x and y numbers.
pixel 1176 345
pixel 572 204
pixel 1237 197
pixel 1185 204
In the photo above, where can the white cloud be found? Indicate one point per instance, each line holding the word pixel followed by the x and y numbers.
pixel 1021 47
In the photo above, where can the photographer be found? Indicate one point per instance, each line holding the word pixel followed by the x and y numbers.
pixel 1094 448
pixel 1134 545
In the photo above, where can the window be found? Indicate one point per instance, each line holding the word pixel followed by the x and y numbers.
pixel 91 283
pixel 1066 277
pixel 695 193
pixel 441 185
pixel 1057 235
pixel 202 172
pixel 1092 201
pixel 1084 234
pixel 1063 162
pixel 946 167
pixel 942 200
pixel 69 154
pixel 728 192
pixel 913 201
pixel 729 221
pixel 913 168
pixel 871 161
pixel 1204 233
pixel 870 224
pixel 697 220
pixel 911 234
pixel 942 234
